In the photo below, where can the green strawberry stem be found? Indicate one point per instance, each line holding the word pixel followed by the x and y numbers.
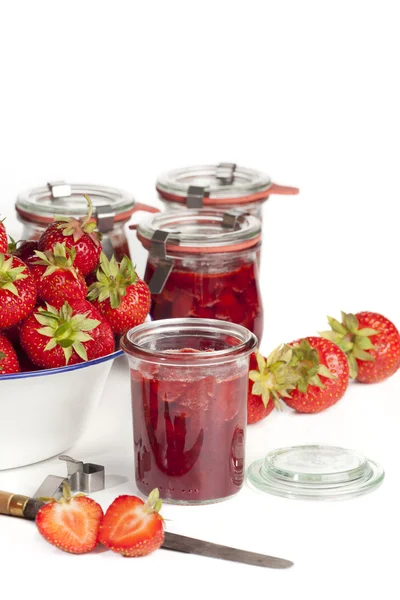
pixel 10 274
pixel 60 258
pixel 65 329
pixel 305 361
pixel 275 376
pixel 153 502
pixel 78 227
pixel 353 341
pixel 113 279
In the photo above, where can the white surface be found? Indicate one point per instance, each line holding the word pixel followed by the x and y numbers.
pixel 66 400
pixel 115 93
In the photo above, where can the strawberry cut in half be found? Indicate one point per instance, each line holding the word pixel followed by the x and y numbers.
pixel 132 527
pixel 8 357
pixel 371 343
pixel 57 278
pixel 323 375
pixel 269 380
pixel 119 294
pixel 17 291
pixel 71 523
pixel 79 234
pixel 75 333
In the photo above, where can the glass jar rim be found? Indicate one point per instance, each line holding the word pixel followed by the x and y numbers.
pixel 132 343
pixel 224 183
pixel 42 204
pixel 202 230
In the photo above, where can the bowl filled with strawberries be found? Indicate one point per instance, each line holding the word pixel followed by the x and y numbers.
pixel 63 308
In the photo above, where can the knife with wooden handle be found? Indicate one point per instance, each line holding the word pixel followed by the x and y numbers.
pixel 17 505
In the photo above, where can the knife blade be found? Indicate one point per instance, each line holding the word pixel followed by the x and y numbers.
pixel 181 543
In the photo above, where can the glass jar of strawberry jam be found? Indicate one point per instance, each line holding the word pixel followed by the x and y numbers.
pixel 223 186
pixel 189 380
pixel 204 264
pixel 112 209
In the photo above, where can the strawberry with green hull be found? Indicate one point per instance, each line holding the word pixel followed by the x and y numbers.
pixel 57 278
pixel 8 357
pixel 71 523
pixel 79 234
pixel 17 291
pixel 269 380
pixel 3 238
pixel 132 527
pixel 73 334
pixel 323 375
pixel 119 294
pixel 371 343
pixel 25 250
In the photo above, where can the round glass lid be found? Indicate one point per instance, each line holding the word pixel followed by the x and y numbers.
pixel 225 181
pixel 315 472
pixel 204 230
pixel 61 198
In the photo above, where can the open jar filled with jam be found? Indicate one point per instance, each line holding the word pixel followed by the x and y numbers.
pixel 112 209
pixel 204 264
pixel 189 380
pixel 225 186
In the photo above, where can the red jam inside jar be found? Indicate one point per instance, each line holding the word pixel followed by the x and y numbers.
pixel 214 269
pixel 189 416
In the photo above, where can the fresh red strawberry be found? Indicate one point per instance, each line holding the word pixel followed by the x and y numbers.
pixel 71 523
pixel 25 250
pixel 17 291
pixel 133 527
pixel 3 238
pixel 57 278
pixel 75 333
pixel 323 373
pixel 371 343
pixel 8 357
pixel 119 294
pixel 76 233
pixel 269 380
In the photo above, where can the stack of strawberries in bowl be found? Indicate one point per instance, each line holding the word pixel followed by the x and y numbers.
pixel 63 307
pixel 62 302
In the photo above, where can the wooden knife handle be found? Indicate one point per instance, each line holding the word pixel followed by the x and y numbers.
pixel 17 505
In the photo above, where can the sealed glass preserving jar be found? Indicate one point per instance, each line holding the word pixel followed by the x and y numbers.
pixel 204 264
pixel 112 208
pixel 224 186
pixel 189 380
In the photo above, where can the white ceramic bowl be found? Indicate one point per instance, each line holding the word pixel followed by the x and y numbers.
pixel 43 413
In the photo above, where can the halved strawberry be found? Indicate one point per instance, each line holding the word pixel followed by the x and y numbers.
pixel 72 523
pixel 132 527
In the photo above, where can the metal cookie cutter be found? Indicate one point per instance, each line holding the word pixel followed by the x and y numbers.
pixel 82 477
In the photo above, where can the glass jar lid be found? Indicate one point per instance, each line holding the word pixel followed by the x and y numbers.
pixel 197 231
pixel 315 472
pixel 42 204
pixel 225 183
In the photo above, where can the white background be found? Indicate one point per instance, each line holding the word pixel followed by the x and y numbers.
pixel 115 93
